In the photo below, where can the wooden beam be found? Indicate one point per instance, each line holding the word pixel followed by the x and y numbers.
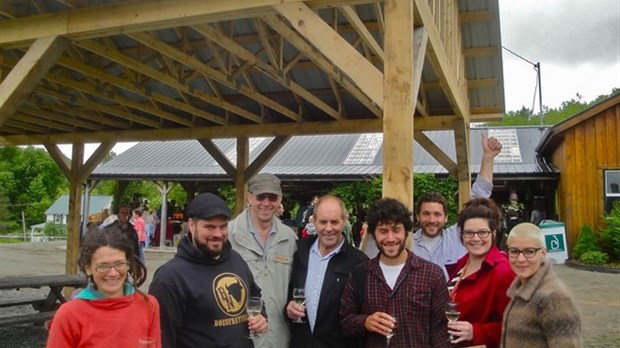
pixel 93 161
pixel 461 142
pixel 436 152
pixel 63 163
pixel 438 57
pixel 272 72
pixel 62 117
pixel 271 129
pixel 28 73
pixel 165 78
pixel 131 16
pixel 241 186
pixel 399 103
pixel 45 122
pixel 476 16
pixel 265 156
pixel 355 21
pixel 75 203
pixel 218 156
pixel 335 48
pixel 480 51
pixel 219 76
pixel 323 63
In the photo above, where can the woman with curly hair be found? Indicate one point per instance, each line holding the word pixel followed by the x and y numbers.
pixel 480 279
pixel 110 311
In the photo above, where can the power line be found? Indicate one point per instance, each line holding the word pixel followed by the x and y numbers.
pixel 538 84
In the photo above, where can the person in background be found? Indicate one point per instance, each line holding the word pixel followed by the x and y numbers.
pixel 434 241
pixel 309 230
pixel 513 211
pixel 538 213
pixel 542 311
pixel 140 226
pixel 479 282
pixel 122 219
pixel 267 245
pixel 111 311
pixel 320 266
pixel 396 290
pixel 204 289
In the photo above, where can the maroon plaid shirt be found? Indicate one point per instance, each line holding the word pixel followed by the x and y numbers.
pixel 418 301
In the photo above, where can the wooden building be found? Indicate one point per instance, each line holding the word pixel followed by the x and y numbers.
pixel 586 150
pixel 107 71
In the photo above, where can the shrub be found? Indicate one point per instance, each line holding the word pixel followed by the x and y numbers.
pixel 594 258
pixel 610 235
pixel 585 243
pixel 55 230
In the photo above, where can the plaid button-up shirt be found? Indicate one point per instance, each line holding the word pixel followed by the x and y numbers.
pixel 418 301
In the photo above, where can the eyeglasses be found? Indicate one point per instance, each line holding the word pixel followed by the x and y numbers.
pixel 270 196
pixel 481 233
pixel 119 266
pixel 527 252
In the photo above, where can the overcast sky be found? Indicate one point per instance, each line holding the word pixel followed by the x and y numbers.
pixel 577 43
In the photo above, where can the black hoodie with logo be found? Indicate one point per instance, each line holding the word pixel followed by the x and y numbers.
pixel 202 299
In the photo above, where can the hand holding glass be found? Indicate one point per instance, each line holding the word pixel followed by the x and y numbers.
pixel 452 314
pixel 389 336
pixel 299 295
pixel 254 307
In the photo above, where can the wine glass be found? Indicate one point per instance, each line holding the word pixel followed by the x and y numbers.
pixel 452 314
pixel 254 307
pixel 299 296
pixel 389 336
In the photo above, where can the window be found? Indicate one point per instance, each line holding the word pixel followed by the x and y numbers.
pixel 612 188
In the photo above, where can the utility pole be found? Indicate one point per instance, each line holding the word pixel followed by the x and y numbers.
pixel 538 82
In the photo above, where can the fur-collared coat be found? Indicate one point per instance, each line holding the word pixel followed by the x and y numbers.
pixel 541 313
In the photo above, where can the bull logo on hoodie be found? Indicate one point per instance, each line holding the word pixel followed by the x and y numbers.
pixel 231 293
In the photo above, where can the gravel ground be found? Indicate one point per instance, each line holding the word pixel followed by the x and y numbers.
pixel 598 294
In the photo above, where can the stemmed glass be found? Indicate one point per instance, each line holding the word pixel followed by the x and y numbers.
pixel 452 314
pixel 254 307
pixel 299 296
pixel 389 336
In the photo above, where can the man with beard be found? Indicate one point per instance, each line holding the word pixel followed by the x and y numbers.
pixel 203 290
pixel 433 241
pixel 321 266
pixel 395 292
pixel 267 245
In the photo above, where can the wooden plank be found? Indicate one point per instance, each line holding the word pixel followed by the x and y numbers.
pixel 62 161
pixel 593 200
pixel 613 156
pixel 21 282
pixel 218 156
pixel 75 204
pixel 265 156
pixel 461 142
pixel 271 129
pixel 28 72
pixel 37 318
pixel 355 21
pixel 34 302
pixel 335 48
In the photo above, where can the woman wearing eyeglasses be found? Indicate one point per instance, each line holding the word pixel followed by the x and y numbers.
pixel 111 311
pixel 542 312
pixel 480 279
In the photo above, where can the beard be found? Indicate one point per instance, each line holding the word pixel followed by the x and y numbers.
pixel 205 249
pixel 401 248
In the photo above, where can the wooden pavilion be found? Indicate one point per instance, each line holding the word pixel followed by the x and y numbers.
pixel 107 71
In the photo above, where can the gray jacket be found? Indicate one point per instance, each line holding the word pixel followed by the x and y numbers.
pixel 272 272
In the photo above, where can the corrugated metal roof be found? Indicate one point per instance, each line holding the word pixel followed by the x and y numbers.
pixel 307 156
pixel 97 204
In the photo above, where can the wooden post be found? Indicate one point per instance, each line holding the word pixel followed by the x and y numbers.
pixel 241 186
pixel 399 102
pixel 75 195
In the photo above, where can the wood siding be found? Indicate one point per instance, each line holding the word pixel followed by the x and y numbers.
pixel 588 149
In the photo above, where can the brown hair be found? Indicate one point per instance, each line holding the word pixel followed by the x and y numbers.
pixel 482 208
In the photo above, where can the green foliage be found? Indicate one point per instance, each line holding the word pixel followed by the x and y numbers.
pixel 610 235
pixel 31 181
pixel 55 230
pixel 228 193
pixel 357 196
pixel 585 243
pixel 596 257
pixel 551 116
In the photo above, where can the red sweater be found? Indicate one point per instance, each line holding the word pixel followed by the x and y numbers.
pixel 110 322
pixel 482 297
pixel 140 227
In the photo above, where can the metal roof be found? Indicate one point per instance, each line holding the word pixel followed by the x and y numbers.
pixel 97 204
pixel 319 157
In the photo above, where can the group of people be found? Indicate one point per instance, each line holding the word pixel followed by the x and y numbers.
pixel 394 296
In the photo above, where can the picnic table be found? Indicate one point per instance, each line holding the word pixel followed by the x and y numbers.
pixel 45 306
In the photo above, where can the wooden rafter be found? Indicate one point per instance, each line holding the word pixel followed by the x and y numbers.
pixel 351 15
pixel 270 71
pixel 322 62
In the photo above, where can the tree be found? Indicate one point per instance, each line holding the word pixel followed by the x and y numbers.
pixel 31 181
